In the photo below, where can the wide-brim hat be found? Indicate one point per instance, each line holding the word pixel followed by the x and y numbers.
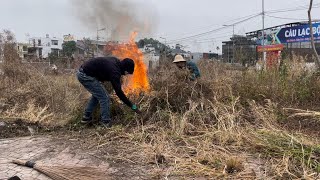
pixel 179 58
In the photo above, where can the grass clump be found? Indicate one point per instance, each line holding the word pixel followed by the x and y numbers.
pixel 217 126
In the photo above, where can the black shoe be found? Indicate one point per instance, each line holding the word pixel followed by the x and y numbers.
pixel 14 178
pixel 106 124
pixel 86 120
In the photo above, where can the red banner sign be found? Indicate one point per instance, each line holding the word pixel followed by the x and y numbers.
pixel 268 48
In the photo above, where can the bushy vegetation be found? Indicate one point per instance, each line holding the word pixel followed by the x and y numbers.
pixel 229 123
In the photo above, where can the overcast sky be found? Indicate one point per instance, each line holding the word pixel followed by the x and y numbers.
pixel 174 19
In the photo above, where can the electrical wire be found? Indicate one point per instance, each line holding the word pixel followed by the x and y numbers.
pixel 247 18
pixel 304 6
pixel 288 10
pixel 206 27
pixel 214 38
pixel 278 17
pixel 214 30
pixel 207 40
pixel 299 8
pixel 188 40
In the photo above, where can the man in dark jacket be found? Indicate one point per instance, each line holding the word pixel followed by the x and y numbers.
pixel 98 70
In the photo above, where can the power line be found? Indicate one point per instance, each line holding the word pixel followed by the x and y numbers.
pixel 304 6
pixel 197 35
pixel 242 18
pixel 206 27
pixel 288 10
pixel 201 42
pixel 188 40
pixel 218 29
pixel 214 38
pixel 248 17
pixel 214 30
pixel 207 40
pixel 278 17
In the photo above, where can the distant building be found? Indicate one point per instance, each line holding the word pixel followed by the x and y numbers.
pixel 279 41
pixel 151 56
pixel 82 50
pixel 92 48
pixel 287 38
pixel 238 49
pixel 98 47
pixel 69 37
pixel 195 57
pixel 22 49
pixel 42 47
pixel 148 48
pixel 178 50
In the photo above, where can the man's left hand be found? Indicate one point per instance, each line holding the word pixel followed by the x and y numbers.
pixel 135 109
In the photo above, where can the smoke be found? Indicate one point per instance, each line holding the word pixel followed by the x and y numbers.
pixel 119 17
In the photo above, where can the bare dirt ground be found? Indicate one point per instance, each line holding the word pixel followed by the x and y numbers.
pixel 56 147
pixel 59 146
pixel 42 149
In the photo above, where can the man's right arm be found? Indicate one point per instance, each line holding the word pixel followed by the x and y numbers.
pixel 117 88
pixel 195 73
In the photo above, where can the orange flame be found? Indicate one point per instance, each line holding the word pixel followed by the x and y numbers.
pixel 139 82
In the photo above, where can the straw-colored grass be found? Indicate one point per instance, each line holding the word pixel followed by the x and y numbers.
pixel 213 127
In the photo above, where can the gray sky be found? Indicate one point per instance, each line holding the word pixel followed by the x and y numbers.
pixel 173 18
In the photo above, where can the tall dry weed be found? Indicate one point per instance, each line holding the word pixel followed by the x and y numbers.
pixel 30 94
pixel 208 127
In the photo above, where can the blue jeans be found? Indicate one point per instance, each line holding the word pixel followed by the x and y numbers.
pixel 99 95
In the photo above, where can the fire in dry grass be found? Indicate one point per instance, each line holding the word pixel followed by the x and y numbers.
pixel 139 82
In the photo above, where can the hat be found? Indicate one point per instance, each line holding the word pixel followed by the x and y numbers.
pixel 179 58
pixel 127 65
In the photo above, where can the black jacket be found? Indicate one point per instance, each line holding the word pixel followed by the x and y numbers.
pixel 107 69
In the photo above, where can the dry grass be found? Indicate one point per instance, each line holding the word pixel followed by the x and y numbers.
pixel 206 128
pixel 28 93
pixel 198 126
pixel 42 98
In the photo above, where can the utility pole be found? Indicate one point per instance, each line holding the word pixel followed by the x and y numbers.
pixel 233 48
pixel 233 43
pixel 97 48
pixel 102 29
pixel 228 54
pixel 263 30
pixel 317 60
pixel 165 48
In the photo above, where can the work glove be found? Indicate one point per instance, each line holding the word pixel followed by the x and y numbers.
pixel 135 109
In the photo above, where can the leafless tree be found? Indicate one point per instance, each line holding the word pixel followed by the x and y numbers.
pixel 312 37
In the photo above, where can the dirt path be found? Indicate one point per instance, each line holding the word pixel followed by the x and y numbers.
pixel 88 146
pixel 56 146
pixel 44 150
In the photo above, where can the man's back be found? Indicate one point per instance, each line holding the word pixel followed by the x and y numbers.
pixel 195 72
pixel 103 68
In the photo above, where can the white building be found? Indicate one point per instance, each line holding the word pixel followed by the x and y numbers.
pixel 195 57
pixel 22 50
pixel 151 58
pixel 41 47
pixel 148 48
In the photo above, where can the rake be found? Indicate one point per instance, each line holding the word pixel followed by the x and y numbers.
pixel 65 173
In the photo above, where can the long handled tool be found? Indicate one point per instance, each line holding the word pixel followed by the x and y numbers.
pixel 65 173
